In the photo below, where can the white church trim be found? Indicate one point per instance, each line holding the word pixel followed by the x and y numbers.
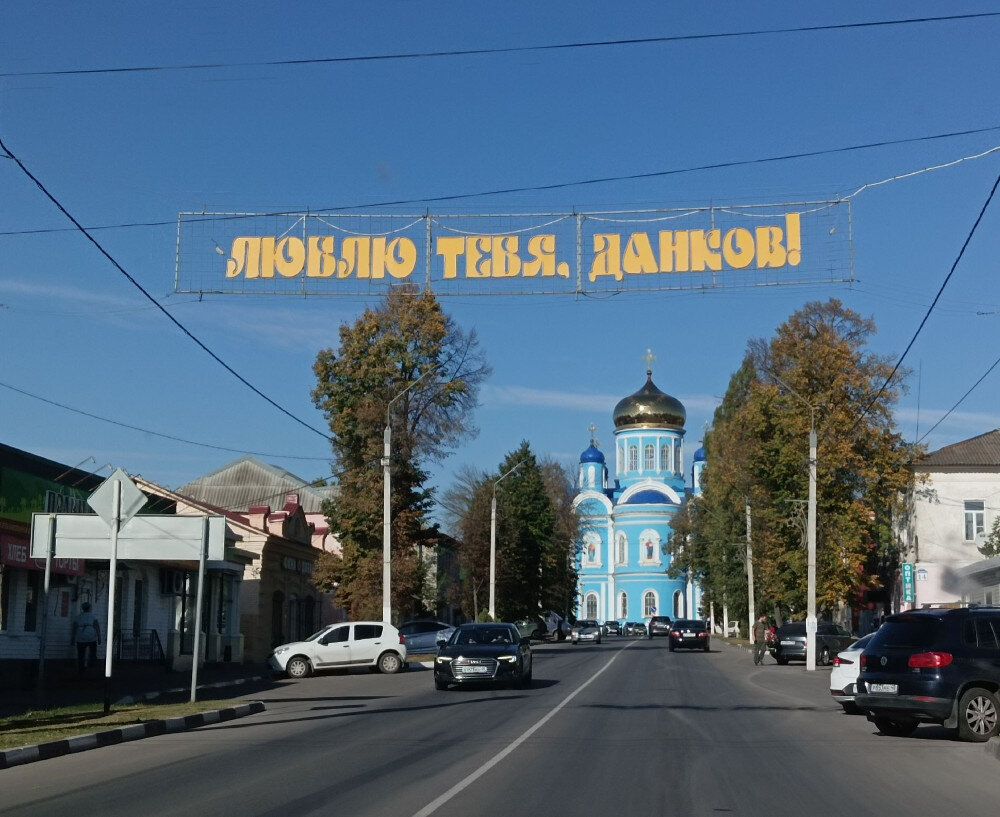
pixel 648 485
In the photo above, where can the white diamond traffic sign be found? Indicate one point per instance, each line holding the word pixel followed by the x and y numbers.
pixel 103 499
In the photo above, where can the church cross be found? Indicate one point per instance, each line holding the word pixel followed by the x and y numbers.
pixel 592 428
pixel 649 358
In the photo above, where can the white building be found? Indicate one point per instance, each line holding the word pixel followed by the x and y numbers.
pixel 950 511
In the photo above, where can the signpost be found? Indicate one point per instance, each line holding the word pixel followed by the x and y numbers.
pixel 117 531
pixel 908 589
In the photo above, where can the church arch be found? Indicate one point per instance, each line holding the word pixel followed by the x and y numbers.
pixel 678 604
pixel 591 605
pixel 623 605
pixel 650 603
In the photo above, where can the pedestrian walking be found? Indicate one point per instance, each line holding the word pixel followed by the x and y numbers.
pixel 759 640
pixel 86 636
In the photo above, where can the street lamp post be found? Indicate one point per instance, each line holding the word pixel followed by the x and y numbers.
pixel 810 533
pixel 386 502
pixel 493 542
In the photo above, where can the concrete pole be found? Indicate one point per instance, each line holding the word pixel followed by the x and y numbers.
pixel 493 555
pixel 386 525
pixel 752 615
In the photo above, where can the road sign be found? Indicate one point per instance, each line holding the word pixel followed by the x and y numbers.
pixel 103 499
pixel 154 536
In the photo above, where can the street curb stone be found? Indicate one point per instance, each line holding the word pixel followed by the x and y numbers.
pixel 123 734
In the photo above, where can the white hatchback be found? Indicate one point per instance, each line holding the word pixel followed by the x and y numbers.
pixel 844 675
pixel 373 644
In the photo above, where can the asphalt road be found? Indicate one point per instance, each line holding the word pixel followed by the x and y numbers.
pixel 621 728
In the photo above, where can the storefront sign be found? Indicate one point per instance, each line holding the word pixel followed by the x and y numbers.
pixel 908 592
pixel 18 554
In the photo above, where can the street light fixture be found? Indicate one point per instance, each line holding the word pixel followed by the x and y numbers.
pixel 386 497
pixel 493 542
pixel 810 533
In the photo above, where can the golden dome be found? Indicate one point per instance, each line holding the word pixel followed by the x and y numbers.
pixel 649 408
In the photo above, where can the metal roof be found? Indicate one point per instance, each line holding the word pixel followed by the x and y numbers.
pixel 979 452
pixel 246 482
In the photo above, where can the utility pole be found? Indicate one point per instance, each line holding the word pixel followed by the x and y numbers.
pixel 750 604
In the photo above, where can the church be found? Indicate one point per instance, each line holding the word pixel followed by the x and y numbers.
pixel 625 518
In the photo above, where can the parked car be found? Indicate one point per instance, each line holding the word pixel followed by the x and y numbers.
pixel 531 627
pixel 422 635
pixel 483 654
pixel 844 675
pixel 373 644
pixel 659 625
pixel 635 628
pixel 934 666
pixel 791 642
pixel 556 627
pixel 612 628
pixel 690 634
pixel 585 630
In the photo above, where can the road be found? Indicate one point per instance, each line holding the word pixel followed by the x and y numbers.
pixel 621 728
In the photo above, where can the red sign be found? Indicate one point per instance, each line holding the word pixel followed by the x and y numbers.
pixel 17 553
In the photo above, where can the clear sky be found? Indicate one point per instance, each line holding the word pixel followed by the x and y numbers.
pixel 138 147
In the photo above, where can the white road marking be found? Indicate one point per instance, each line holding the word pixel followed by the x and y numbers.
pixel 467 781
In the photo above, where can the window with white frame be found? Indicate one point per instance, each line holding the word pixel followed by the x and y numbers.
pixel 975 519
pixel 622 605
pixel 621 459
pixel 621 548
pixel 633 458
pixel 664 456
pixel 648 604
pixel 591 605
pixel 649 458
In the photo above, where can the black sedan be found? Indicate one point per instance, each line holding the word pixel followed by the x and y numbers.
pixel 483 654
pixel 690 634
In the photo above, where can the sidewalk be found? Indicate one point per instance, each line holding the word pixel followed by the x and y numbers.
pixel 130 682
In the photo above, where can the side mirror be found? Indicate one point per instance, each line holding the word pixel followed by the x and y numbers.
pixel 442 641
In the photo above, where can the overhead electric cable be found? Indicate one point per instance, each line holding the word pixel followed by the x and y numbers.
pixel 413 55
pixel 143 290
pixel 578 183
pixel 930 309
pixel 960 401
pixel 121 424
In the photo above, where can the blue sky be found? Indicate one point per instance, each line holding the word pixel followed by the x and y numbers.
pixel 142 146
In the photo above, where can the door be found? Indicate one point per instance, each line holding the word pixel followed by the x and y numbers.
pixel 334 648
pixel 367 644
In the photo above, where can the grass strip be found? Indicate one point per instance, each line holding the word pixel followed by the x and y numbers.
pixel 44 725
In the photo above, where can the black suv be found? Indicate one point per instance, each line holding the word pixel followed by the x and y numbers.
pixel 659 625
pixel 934 666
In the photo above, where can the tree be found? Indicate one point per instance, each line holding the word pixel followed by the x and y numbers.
pixel 536 532
pixel 405 350
pixel 758 450
pixel 991 547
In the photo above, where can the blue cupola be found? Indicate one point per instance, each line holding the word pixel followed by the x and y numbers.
pixel 593 471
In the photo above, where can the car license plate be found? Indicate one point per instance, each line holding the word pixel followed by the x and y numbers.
pixel 884 689
pixel 688 634
pixel 787 643
pixel 475 670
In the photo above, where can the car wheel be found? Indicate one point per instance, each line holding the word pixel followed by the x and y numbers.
pixel 439 684
pixel 851 708
pixel 895 727
pixel 597 640
pixel 298 667
pixel 824 657
pixel 977 715
pixel 782 661
pixel 706 647
pixel 389 663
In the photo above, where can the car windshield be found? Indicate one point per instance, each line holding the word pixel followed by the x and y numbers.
pixel 482 635
pixel 317 634
pixel 906 631
pixel 586 623
pixel 689 624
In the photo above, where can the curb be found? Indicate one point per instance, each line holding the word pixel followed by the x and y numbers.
pixel 124 734
pixel 150 696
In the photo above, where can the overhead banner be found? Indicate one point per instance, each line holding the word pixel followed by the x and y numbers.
pixel 717 247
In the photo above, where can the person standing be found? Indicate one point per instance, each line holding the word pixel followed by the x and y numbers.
pixel 86 636
pixel 759 640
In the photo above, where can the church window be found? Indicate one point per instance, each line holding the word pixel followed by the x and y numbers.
pixel 621 459
pixel 665 457
pixel 649 547
pixel 623 606
pixel 591 605
pixel 633 458
pixel 649 604
pixel 621 553
pixel 649 458
pixel 677 459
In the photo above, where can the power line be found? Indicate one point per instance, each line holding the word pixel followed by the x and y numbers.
pixel 552 186
pixel 152 300
pixel 930 309
pixel 414 55
pixel 960 401
pixel 121 424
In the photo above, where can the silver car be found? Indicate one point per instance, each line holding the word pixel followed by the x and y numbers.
pixel 586 630
pixel 422 635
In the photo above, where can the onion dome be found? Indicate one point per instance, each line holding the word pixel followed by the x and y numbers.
pixel 592 454
pixel 699 455
pixel 649 408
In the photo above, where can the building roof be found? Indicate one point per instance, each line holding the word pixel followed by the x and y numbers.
pixel 979 452
pixel 649 408
pixel 592 454
pixel 248 482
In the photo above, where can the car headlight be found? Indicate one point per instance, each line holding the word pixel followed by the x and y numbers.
pixel 443 659
pixel 511 658
pixel 280 650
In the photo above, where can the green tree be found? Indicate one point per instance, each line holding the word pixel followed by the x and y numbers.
pixel 405 350
pixel 991 547
pixel 758 450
